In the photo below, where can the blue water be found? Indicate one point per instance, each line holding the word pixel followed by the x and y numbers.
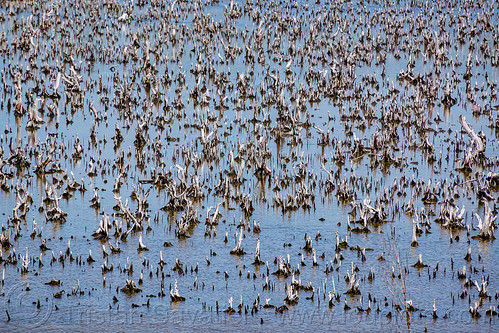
pixel 87 303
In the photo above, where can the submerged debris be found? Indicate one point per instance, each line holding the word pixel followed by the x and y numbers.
pixel 130 288
pixel 174 294
pixel 314 130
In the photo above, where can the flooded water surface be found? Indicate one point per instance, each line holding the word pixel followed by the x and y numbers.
pixel 257 165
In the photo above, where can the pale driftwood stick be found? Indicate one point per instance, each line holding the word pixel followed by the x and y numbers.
pixel 478 145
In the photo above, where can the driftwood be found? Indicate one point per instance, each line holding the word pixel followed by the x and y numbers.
pixel 486 225
pixel 477 148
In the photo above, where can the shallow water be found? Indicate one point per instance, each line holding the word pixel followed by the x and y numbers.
pixel 87 303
